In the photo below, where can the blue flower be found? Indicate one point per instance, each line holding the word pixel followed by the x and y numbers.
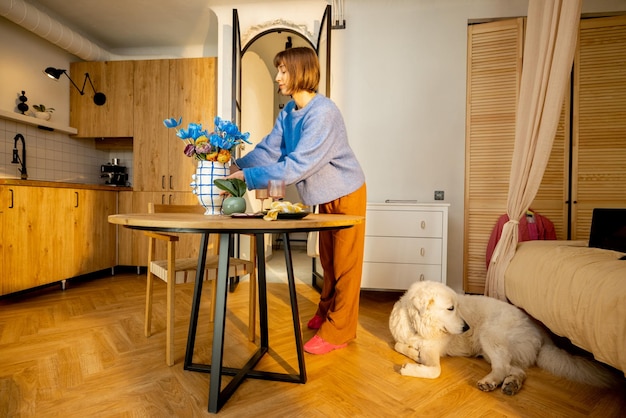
pixel 172 123
pixel 193 131
pixel 215 146
pixel 227 135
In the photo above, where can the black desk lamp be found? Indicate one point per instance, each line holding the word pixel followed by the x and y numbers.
pixel 98 98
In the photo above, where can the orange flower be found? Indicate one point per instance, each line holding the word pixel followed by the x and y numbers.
pixel 223 156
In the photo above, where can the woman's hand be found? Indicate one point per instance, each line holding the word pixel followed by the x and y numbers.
pixel 236 175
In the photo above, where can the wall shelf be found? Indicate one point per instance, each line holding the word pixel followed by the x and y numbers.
pixel 31 120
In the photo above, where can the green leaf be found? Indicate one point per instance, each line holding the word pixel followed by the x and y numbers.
pixel 234 187
pixel 43 108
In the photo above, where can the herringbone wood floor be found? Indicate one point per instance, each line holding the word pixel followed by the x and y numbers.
pixel 82 353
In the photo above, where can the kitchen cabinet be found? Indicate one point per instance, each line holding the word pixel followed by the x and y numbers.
pixel 151 91
pixel 404 243
pixel 150 139
pixel 33 245
pixel 161 171
pixel 169 88
pixel 94 237
pixel 114 119
pixel 51 234
pixel 124 235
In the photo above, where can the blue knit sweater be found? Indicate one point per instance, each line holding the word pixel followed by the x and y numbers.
pixel 309 148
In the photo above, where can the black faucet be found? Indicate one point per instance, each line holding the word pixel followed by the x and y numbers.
pixel 16 156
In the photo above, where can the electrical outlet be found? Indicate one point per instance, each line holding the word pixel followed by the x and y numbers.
pixel 438 194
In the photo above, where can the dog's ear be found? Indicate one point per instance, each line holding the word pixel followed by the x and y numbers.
pixel 422 303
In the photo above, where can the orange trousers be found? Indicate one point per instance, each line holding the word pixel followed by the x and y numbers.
pixel 341 256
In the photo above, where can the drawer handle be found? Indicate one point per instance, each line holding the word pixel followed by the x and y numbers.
pixel 422 252
pixel 423 224
pixel 12 202
pixel 422 278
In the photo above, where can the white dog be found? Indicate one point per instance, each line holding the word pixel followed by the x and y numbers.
pixel 431 320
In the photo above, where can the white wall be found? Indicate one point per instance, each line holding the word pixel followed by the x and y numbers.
pixel 51 156
pixel 24 56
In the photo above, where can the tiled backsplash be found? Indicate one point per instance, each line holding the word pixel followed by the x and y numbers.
pixel 56 156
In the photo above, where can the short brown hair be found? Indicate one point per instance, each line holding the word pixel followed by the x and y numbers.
pixel 303 68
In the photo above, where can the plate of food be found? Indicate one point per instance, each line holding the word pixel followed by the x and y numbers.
pixel 285 210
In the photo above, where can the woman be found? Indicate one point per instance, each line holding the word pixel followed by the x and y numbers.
pixel 308 147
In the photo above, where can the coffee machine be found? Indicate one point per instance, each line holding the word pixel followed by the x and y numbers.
pixel 114 173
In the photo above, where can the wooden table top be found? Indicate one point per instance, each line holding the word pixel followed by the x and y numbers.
pixel 186 222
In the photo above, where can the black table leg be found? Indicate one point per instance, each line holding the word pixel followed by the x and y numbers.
pixel 195 304
pixel 262 290
pixel 294 307
pixel 218 398
pixel 215 400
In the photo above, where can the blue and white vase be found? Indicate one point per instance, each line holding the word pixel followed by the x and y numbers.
pixel 203 187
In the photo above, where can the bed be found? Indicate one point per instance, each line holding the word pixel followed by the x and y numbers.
pixel 577 291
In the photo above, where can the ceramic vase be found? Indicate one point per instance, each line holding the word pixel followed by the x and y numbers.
pixel 43 115
pixel 203 187
pixel 233 204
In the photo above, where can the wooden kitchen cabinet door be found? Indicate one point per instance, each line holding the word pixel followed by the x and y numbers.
pixel 93 236
pixel 125 235
pixel 34 241
pixel 114 119
pixel 150 141
pixel 192 95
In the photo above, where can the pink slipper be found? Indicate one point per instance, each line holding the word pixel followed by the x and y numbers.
pixel 315 322
pixel 317 345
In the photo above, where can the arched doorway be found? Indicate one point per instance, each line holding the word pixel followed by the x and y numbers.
pixel 260 100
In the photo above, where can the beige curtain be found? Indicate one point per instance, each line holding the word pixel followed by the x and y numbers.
pixel 550 43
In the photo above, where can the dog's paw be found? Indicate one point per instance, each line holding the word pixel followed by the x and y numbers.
pixel 420 370
pixel 406 370
pixel 487 386
pixel 511 385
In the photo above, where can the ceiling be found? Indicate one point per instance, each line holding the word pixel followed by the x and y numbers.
pixel 136 24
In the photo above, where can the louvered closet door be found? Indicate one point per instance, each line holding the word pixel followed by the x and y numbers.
pixel 495 53
pixel 599 124
pixel 493 76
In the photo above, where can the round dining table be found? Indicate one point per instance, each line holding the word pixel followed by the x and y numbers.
pixel 227 227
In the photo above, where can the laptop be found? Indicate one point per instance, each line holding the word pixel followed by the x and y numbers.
pixel 608 229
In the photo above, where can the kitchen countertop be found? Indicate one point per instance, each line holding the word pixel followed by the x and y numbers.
pixel 60 184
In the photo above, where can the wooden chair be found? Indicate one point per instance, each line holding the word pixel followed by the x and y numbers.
pixel 184 270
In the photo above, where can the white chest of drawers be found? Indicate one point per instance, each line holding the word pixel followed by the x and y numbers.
pixel 404 243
